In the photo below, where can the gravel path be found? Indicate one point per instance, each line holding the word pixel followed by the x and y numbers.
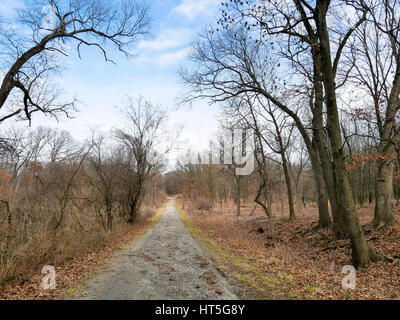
pixel 166 263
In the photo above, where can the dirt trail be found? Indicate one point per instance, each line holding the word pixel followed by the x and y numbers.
pixel 166 263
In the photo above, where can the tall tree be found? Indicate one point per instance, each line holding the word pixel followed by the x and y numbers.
pixel 375 54
pixel 145 130
pixel 302 28
pixel 230 64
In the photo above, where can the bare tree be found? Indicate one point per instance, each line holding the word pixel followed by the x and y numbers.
pixel 314 46
pixel 274 130
pixel 103 177
pixel 144 133
pixel 229 64
pixel 375 55
pixel 27 63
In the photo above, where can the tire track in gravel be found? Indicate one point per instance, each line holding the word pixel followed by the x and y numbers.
pixel 166 263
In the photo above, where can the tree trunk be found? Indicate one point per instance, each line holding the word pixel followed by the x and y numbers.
pixel 134 205
pixel 267 209
pixel 292 215
pixel 360 249
pixel 388 137
pixel 324 219
pixel 109 217
pixel 237 178
pixel 384 189
pixel 133 212
pixel 339 225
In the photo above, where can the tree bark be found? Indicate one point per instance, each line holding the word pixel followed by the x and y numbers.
pixel 324 219
pixel 339 225
pixel 134 203
pixel 109 213
pixel 384 185
pixel 360 249
pixel 109 218
pixel 237 178
pixel 292 215
pixel 383 214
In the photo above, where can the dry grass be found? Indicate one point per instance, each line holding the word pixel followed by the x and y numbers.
pixel 73 272
pixel 49 226
pixel 306 262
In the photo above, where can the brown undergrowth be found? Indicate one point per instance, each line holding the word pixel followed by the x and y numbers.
pixel 72 273
pixel 305 262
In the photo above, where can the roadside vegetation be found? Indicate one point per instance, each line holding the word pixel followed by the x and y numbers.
pixel 60 199
pixel 304 263
pixel 73 274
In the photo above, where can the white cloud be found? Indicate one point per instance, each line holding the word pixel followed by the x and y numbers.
pixel 168 58
pixel 169 38
pixel 191 9
pixel 8 7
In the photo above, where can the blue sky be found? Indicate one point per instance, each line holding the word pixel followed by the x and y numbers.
pixel 153 73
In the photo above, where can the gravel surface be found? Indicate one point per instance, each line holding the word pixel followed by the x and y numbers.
pixel 166 263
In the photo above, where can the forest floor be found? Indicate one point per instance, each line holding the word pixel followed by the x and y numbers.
pixel 234 257
pixel 73 274
pixel 305 262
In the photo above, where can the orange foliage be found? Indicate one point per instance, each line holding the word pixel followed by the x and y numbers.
pixel 365 159
pixel 362 114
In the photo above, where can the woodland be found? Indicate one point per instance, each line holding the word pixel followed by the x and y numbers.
pixel 318 84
